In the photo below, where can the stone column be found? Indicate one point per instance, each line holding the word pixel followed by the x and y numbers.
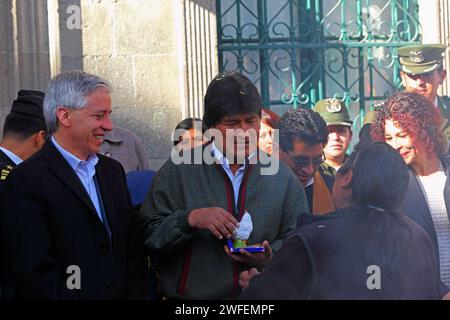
pixel 444 38
pixel 65 32
pixel 24 54
pixel 433 16
pixel 7 57
pixel 201 51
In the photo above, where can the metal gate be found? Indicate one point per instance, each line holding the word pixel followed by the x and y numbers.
pixel 300 51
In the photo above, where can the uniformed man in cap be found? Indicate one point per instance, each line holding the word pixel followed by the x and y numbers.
pixel 335 114
pixel 24 131
pixel 422 72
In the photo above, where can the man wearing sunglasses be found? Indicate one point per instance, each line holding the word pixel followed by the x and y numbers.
pixel 303 135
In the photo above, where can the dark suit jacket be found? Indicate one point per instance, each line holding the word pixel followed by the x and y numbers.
pixel 5 162
pixel 49 223
pixel 415 206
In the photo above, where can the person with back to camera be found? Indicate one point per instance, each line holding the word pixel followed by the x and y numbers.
pixel 366 249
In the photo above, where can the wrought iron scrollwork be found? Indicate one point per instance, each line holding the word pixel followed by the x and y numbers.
pixel 300 51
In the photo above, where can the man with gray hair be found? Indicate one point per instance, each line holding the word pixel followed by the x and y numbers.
pixel 67 222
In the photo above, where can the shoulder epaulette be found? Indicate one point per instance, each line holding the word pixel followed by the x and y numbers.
pixel 5 172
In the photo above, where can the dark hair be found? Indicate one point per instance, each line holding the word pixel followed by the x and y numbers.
pixel 369 182
pixel 22 126
pixel 187 124
pixel 303 124
pixel 365 137
pixel 230 94
pixel 416 115
pixel 379 195
pixel 270 118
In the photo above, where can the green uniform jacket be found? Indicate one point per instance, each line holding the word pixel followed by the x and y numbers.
pixel 326 169
pixel 444 107
pixel 192 263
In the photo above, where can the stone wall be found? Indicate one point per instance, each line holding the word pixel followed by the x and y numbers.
pixel 138 46
pixel 159 56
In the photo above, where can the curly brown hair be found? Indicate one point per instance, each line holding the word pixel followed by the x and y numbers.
pixel 416 115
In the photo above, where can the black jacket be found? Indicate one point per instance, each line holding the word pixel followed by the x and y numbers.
pixel 415 206
pixel 49 223
pixel 333 257
pixel 6 165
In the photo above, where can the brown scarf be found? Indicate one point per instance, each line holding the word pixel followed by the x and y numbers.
pixel 322 200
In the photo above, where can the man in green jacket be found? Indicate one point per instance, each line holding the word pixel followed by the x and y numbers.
pixel 193 207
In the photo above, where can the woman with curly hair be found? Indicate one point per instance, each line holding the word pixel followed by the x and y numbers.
pixel 411 124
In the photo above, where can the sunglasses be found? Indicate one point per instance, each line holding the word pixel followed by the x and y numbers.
pixel 303 162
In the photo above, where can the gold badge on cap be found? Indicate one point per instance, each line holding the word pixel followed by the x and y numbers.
pixel 416 56
pixel 333 105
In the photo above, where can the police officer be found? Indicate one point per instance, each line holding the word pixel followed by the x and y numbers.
pixel 24 131
pixel 335 114
pixel 422 72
